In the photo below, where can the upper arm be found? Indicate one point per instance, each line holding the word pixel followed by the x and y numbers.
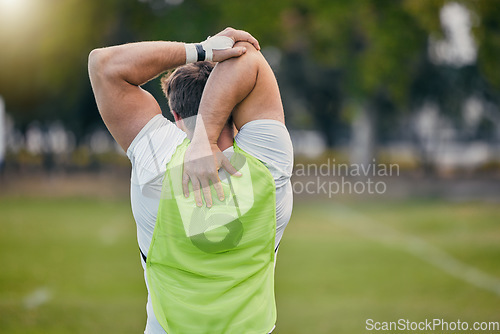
pixel 125 108
pixel 246 86
pixel 264 100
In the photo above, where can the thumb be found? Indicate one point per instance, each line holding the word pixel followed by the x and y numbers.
pixel 231 53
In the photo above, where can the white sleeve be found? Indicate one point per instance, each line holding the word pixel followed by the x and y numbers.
pixel 152 149
pixel 269 141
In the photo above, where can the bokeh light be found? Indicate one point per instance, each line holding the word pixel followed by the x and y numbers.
pixel 15 11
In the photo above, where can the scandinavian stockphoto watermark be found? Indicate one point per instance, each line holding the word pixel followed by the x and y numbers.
pixel 332 178
pixel 432 325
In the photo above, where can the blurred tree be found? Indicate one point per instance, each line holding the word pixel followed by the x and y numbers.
pixel 449 78
pixel 43 62
pixel 487 33
pixel 375 47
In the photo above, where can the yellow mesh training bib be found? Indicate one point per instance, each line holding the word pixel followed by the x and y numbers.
pixel 211 270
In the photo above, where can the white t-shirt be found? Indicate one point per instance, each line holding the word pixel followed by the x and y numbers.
pixel 151 150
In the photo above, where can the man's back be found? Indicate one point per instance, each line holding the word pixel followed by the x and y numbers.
pixel 267 140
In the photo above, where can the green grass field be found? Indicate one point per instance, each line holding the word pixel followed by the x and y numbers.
pixel 72 265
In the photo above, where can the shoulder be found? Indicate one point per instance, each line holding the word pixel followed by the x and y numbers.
pixel 153 148
pixel 269 141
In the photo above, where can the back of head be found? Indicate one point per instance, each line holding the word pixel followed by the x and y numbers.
pixel 184 88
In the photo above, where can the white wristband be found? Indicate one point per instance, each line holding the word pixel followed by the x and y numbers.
pixel 191 53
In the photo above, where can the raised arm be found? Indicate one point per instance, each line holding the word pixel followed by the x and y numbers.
pixel 117 72
pixel 244 87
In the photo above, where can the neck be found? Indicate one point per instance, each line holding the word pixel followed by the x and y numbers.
pixel 225 139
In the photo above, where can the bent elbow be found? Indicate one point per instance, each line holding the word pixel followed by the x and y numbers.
pixel 247 64
pixel 95 57
pixel 96 61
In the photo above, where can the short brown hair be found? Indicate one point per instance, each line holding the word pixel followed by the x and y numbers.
pixel 184 87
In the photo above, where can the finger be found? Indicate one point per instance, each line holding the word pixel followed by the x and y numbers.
pixel 220 55
pixel 246 37
pixel 197 192
pixel 206 192
pixel 185 184
pixel 240 35
pixel 229 168
pixel 237 51
pixel 218 187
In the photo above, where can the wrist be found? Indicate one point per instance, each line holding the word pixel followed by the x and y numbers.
pixel 191 53
pixel 204 51
pixel 197 52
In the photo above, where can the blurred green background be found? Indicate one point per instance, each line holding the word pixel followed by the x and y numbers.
pixel 409 83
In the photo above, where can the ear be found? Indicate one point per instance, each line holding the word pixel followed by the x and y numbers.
pixel 179 122
pixel 177 118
